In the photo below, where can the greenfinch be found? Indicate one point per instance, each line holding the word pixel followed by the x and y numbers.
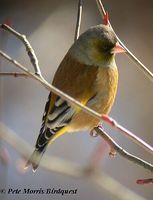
pixel 87 73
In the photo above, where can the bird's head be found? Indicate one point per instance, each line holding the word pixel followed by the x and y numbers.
pixel 97 46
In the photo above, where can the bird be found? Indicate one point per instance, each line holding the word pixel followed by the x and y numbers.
pixel 89 74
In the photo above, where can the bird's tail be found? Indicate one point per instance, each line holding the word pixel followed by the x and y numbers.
pixel 34 159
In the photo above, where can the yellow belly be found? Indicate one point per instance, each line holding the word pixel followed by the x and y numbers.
pixel 106 87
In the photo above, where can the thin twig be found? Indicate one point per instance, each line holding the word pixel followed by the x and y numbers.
pixel 68 168
pixel 128 133
pixel 29 48
pixel 15 74
pixel 86 109
pixel 138 63
pixel 114 146
pixel 101 8
pixel 78 23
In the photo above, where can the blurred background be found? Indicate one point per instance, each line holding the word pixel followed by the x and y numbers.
pixel 49 26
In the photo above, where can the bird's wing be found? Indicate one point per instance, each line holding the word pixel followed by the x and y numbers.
pixel 56 116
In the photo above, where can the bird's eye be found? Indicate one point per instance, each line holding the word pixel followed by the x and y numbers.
pixel 105 47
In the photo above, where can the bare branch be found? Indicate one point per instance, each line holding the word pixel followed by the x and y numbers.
pixel 114 146
pixel 78 23
pixel 15 74
pixel 138 63
pixel 29 48
pixel 127 133
pixel 101 8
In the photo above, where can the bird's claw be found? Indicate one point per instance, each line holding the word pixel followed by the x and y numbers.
pixel 112 153
pixel 93 133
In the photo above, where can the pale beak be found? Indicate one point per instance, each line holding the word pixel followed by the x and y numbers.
pixel 117 49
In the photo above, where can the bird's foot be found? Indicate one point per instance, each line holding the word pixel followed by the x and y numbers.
pixel 93 133
pixel 112 153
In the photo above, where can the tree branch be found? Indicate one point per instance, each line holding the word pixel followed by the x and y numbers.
pixel 26 43
pixel 15 74
pixel 78 23
pixel 114 146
